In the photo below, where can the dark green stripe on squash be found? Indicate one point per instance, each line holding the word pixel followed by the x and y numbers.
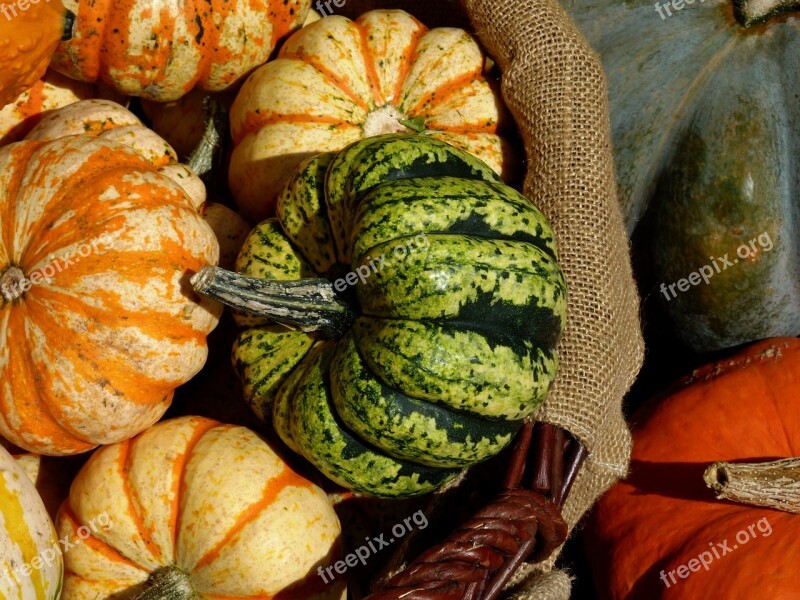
pixel 470 371
pixel 464 279
pixel 447 205
pixel 327 444
pixel 368 163
pixel 405 427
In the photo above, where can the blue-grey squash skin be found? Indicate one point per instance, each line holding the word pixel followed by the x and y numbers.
pixel 705 118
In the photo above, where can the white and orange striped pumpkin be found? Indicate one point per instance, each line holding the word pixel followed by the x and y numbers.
pixel 208 506
pixel 97 327
pixel 336 81
pixel 109 120
pixel 162 51
pixel 31 564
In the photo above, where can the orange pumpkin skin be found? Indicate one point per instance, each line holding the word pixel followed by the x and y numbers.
pixel 49 93
pixel 743 409
pixel 93 347
pixel 161 53
pixel 212 499
pixel 27 40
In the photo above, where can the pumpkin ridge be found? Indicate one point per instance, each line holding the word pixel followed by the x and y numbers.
pixel 329 76
pixel 680 115
pixel 95 543
pixel 179 464
pixel 272 490
pixel 123 465
pixel 445 91
pixel 407 60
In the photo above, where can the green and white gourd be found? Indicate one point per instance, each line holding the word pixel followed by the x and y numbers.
pixel 444 344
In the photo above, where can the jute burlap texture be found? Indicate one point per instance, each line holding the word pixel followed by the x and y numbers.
pixel 554 86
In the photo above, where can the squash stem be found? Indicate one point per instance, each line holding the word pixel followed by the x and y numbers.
pixel 11 283
pixel 309 304
pixel 754 12
pixel 773 484
pixel 168 583
pixel 202 158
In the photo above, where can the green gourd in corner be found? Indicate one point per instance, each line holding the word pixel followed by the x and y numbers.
pixel 420 302
pixel 705 111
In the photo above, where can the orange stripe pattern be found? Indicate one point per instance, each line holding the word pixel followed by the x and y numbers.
pixel 162 50
pixel 91 353
pixel 335 76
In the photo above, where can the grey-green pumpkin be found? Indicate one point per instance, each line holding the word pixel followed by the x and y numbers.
pixel 705 111
pixel 438 334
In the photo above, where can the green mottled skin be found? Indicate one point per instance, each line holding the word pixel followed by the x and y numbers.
pixel 496 378
pixel 455 340
pixel 342 456
pixel 405 427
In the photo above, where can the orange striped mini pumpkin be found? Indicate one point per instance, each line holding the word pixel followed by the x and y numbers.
pixel 206 507
pixel 161 51
pixel 337 81
pixel 31 565
pixel 97 327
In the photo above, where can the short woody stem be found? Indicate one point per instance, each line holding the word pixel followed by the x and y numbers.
pixel 11 283
pixel 309 304
pixel 168 583
pixel 753 12
pixel 202 159
pixel 771 484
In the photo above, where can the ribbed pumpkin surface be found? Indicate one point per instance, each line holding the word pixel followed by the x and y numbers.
pixel 211 499
pixel 92 355
pixel 336 81
pixel 26 533
pixel 162 51
pixel 454 340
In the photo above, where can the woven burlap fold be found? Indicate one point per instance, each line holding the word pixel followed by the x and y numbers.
pixel 554 86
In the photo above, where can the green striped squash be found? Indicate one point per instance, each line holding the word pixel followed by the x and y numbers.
pixel 401 313
pixel 31 566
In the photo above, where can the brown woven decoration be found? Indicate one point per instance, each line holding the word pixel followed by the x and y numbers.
pixel 522 524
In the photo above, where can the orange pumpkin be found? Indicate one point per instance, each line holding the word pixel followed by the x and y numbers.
pixel 661 533
pixel 97 327
pixel 337 81
pixel 161 51
pixel 27 40
pixel 208 506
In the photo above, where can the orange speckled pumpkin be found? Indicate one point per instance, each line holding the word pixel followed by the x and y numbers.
pixel 644 532
pixel 27 40
pixel 337 81
pixel 52 91
pixel 205 505
pixel 161 51
pixel 111 121
pixel 97 326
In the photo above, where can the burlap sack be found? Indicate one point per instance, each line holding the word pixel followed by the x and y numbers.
pixel 554 86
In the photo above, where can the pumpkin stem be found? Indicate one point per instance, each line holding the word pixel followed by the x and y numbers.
pixel 754 12
pixel 773 484
pixel 11 283
pixel 168 583
pixel 310 304
pixel 388 119
pixel 202 158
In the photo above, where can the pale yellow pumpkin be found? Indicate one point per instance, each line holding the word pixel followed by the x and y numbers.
pixel 30 557
pixel 336 81
pixel 209 504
